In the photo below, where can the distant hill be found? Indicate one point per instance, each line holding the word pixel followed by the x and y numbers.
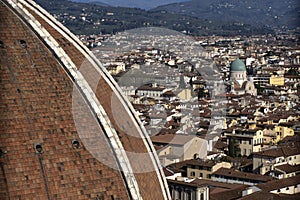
pixel 143 4
pixel 88 18
pixel 270 13
pixel 98 2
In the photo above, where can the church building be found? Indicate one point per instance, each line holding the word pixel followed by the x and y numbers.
pixel 240 83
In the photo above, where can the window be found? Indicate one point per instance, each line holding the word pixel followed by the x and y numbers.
pixel 189 195
pixel 201 175
pixel 23 43
pixel 38 148
pixel 201 196
pixel 179 194
pixel 2 44
pixel 193 173
pixel 75 144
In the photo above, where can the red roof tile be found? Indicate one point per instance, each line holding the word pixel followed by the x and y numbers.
pixel 244 175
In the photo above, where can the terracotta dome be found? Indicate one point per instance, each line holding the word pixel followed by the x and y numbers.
pixel 56 146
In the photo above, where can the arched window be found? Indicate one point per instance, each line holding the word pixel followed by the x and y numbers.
pixel 193 174
pixel 201 196
pixel 196 156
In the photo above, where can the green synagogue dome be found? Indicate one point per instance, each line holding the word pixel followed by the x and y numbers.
pixel 237 65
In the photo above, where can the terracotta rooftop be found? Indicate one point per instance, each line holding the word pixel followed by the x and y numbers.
pixel 234 193
pixel 283 150
pixel 148 88
pixel 281 183
pixel 199 162
pixel 174 139
pixel 288 168
pixel 214 186
pixel 232 173
pixel 193 162
pixel 289 139
pixel 270 196
pixel 220 145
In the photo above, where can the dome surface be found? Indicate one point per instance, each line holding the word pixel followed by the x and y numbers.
pixel 63 136
pixel 237 65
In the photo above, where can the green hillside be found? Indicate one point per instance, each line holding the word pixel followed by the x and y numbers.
pixel 84 18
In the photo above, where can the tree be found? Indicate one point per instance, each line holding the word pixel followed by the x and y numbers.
pixel 234 149
pixel 293 72
pixel 260 90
